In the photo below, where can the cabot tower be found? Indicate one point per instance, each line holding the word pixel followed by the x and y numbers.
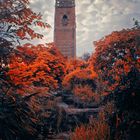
pixel 65 27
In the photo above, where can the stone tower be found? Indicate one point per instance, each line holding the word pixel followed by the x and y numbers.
pixel 65 27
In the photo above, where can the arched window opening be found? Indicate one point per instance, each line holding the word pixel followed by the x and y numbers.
pixel 65 20
pixel 65 17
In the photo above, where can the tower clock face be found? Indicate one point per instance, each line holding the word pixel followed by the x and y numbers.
pixel 65 20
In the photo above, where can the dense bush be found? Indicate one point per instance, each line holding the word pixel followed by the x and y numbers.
pixel 97 129
pixel 17 119
pixel 81 82
pixel 36 68
pixel 86 93
pixel 116 61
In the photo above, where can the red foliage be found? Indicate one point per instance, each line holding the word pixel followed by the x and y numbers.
pixel 86 93
pixel 80 79
pixel 74 64
pixel 116 56
pixel 17 18
pixel 77 76
pixel 40 68
pixel 97 129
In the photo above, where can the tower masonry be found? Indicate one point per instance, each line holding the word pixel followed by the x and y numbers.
pixel 65 27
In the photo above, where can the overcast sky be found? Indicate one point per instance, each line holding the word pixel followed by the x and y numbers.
pixel 95 19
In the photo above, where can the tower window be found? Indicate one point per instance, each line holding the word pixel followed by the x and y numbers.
pixel 65 17
pixel 65 20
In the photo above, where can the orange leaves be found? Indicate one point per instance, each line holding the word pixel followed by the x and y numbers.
pixel 80 79
pixel 20 33
pixel 138 64
pixel 75 76
pixel 44 71
pixel 97 129
pixel 19 73
pixel 85 92
pixel 115 58
pixel 79 74
pixel 127 68
pixel 20 18
pixel 75 64
pixel 26 1
pixel 32 33
pixel 42 24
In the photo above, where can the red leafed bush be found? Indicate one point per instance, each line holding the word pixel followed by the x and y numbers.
pixel 80 79
pixel 40 68
pixel 116 59
pixel 77 77
pixel 74 64
pixel 97 129
pixel 86 92
pixel 17 18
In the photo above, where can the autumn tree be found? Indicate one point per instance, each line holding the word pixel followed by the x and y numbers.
pixel 16 20
pixel 78 76
pixel 74 64
pixel 32 73
pixel 16 23
pixel 117 63
pixel 80 79
pixel 41 68
pixel 116 57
